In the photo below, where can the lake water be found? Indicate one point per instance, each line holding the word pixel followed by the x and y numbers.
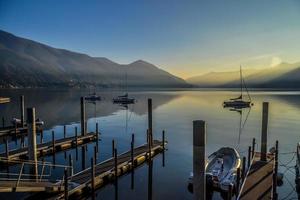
pixel 174 112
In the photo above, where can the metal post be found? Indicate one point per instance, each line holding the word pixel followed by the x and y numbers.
pixel 71 165
pixel 253 147
pixel 249 157
pixel 82 121
pixel 22 107
pixel 66 192
pixel 150 120
pixel 31 128
pixel 199 140
pixel 264 131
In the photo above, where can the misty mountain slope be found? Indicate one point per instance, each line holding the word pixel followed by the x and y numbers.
pixel 26 63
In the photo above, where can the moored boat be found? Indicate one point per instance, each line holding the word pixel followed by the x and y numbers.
pixel 221 169
pixel 93 97
pixel 124 99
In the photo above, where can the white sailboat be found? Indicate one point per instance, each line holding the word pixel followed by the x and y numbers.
pixel 239 102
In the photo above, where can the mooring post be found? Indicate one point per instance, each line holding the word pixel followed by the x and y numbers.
pixel 238 179
pixel 71 165
pixel 53 143
pixel 41 136
pixel 22 110
pixel 132 161
pixel 150 121
pixel 264 131
pixel 76 136
pixel 3 122
pixel 82 112
pixel 93 178
pixel 249 157
pixel 199 140
pixel 65 131
pixel 150 176
pixel 31 128
pixel 66 188
pixel 244 169
pixel 95 154
pixel 275 195
pixel 229 193
pixel 253 147
pixel 6 148
pixel 116 173
pixel 163 139
pixel 113 148
pixel 97 137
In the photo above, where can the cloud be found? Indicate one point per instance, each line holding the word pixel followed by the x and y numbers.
pixel 275 61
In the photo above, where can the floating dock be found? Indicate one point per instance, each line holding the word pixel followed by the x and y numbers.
pixel 50 147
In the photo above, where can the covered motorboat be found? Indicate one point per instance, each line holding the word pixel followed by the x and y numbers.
pixel 221 169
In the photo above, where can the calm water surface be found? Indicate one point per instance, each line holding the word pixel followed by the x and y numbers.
pixel 174 112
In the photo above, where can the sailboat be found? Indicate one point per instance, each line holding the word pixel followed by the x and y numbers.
pixel 124 99
pixel 239 102
pixel 92 97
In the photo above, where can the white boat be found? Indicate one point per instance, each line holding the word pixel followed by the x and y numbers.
pixel 221 169
pixel 239 102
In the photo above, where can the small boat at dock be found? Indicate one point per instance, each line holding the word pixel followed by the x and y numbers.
pixel 221 169
pixel 123 99
pixel 16 122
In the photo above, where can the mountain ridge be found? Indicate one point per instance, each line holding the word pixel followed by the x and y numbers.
pixel 26 63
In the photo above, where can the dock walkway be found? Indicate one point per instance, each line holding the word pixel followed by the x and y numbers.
pixel 259 179
pixel 47 148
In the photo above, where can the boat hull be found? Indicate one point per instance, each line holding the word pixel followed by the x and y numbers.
pixel 237 104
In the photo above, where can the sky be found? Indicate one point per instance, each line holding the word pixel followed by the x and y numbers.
pixel 184 37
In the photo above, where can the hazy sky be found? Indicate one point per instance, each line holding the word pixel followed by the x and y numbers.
pixel 184 37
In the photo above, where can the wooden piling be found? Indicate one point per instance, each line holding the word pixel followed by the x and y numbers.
pixel 71 165
pixel 274 190
pixel 76 136
pixel 41 136
pixel 163 139
pixel 66 185
pixel 95 154
pixel 22 110
pixel 97 135
pixel 82 114
pixel 113 147
pixel 3 122
pixel 238 179
pixel 132 160
pixel 6 148
pixel 249 156
pixel 65 131
pixel 93 178
pixel 116 172
pixel 32 152
pixel 53 142
pixel 264 131
pixel 253 147
pixel 199 140
pixel 244 169
pixel 150 121
pixel 229 193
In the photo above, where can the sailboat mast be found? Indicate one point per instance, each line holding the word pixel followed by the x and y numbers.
pixel 241 78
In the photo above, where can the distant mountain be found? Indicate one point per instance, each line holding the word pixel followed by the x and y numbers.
pixel 284 75
pixel 26 63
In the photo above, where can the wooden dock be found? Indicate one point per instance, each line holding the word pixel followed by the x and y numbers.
pixel 104 172
pixel 258 183
pixel 50 147
pixel 16 131
pixel 4 100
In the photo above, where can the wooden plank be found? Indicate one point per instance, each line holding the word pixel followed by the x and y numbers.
pixel 258 181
